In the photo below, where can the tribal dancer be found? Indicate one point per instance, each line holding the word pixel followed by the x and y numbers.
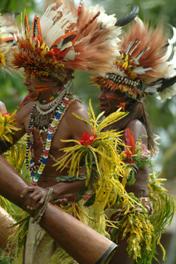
pixel 64 39
pixel 142 67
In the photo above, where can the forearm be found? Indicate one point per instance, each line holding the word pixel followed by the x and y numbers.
pixel 61 226
pixel 64 188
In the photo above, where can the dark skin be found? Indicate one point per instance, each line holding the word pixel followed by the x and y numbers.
pixel 86 248
pixel 110 101
pixel 69 128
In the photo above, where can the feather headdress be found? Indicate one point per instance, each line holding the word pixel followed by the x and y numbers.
pixel 142 61
pixel 66 38
pixel 166 86
pixel 8 38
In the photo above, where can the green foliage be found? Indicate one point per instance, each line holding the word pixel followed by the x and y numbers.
pixel 161 115
pixel 4 259
pixel 12 90
pixel 16 6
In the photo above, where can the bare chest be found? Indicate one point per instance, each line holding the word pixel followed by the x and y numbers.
pixel 45 133
pixel 40 135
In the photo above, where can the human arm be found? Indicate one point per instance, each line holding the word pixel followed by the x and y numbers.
pixel 63 227
pixel 75 128
pixel 61 192
pixel 136 136
pixel 140 162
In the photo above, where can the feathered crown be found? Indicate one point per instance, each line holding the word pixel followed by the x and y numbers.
pixel 166 86
pixel 66 38
pixel 141 62
pixel 8 41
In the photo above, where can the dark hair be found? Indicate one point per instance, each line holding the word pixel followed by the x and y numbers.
pixel 136 110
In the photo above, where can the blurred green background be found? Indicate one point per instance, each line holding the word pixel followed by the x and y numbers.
pixel 161 114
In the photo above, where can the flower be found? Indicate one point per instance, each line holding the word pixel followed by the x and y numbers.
pixel 6 114
pixel 128 155
pixel 130 140
pixel 87 139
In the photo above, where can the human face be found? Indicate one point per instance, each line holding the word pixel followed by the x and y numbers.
pixel 36 86
pixel 29 82
pixel 110 101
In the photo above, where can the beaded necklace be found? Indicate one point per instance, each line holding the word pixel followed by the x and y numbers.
pixel 36 170
pixel 45 109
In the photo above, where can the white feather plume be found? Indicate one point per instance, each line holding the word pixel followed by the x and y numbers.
pixel 55 21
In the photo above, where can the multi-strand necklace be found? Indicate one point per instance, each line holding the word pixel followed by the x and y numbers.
pixel 46 118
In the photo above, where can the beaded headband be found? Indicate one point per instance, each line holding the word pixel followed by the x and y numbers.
pixel 112 81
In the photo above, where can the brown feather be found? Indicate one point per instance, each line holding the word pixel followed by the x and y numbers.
pixel 151 40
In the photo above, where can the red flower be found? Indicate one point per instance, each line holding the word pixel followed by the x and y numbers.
pixel 87 139
pixel 128 155
pixel 130 140
pixel 6 114
pixel 130 148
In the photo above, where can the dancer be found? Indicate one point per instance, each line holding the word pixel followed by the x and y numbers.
pixel 65 38
pixel 142 67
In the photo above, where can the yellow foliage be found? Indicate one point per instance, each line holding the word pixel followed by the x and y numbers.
pixel 7 126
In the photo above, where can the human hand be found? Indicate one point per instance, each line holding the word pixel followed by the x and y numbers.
pixel 34 197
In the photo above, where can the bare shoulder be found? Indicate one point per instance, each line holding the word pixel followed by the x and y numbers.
pixel 77 108
pixel 77 126
pixel 138 129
